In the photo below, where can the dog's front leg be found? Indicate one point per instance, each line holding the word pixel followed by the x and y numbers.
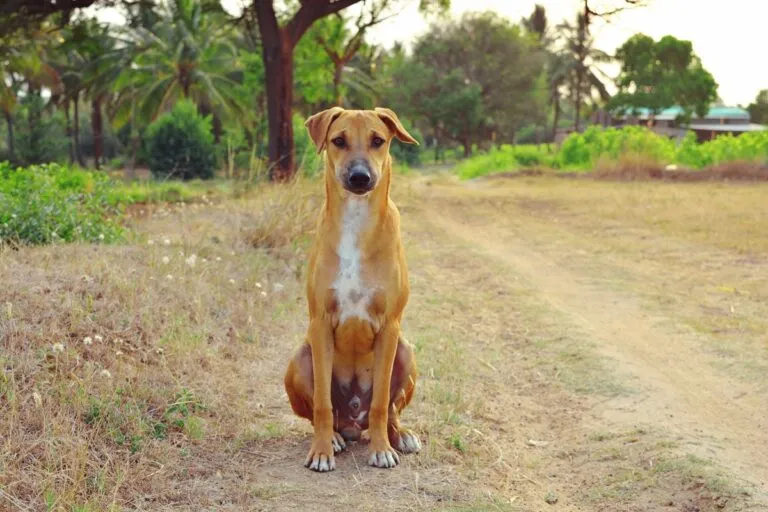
pixel 385 347
pixel 320 457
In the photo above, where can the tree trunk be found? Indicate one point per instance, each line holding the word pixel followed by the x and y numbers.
pixel 577 106
pixel 467 147
pixel 337 72
pixel 9 124
pixel 76 132
pixel 278 60
pixel 216 129
pixel 68 131
pixel 98 131
pixel 555 118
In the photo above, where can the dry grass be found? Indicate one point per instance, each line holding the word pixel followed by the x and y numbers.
pixel 177 401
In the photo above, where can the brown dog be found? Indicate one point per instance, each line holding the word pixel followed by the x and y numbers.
pixel 355 371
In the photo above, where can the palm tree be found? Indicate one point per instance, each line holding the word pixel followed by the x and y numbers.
pixel 189 52
pixel 581 57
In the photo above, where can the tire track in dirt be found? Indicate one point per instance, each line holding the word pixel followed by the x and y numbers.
pixel 718 417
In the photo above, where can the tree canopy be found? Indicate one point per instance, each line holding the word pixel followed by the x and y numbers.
pixel 660 74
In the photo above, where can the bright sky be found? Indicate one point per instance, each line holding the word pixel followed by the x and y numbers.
pixel 728 35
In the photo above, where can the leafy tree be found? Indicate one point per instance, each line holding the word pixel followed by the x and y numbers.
pixel 472 78
pixel 280 34
pixel 188 53
pixel 758 111
pixel 660 74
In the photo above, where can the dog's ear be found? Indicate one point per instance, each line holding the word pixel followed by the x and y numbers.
pixel 394 124
pixel 319 124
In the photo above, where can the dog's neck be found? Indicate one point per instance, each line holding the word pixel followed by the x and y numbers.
pixel 360 217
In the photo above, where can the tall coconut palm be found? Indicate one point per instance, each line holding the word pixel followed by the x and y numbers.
pixel 189 52
pixel 581 58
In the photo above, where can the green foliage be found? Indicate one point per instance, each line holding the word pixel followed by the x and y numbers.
pixel 463 87
pixel 758 111
pixel 658 75
pixel 307 159
pixel 55 203
pixel 39 138
pixel 582 150
pixel 181 144
pixel 506 158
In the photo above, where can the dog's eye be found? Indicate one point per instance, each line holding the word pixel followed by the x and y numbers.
pixel 339 142
pixel 377 142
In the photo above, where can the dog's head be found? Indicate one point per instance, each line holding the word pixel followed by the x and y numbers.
pixel 357 144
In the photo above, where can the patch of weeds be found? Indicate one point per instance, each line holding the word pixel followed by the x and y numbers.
pixel 696 469
pixel 458 443
pixel 130 422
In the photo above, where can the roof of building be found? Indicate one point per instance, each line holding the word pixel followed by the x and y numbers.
pixel 746 127
pixel 670 114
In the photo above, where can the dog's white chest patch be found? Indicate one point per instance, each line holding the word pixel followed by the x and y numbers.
pixel 353 295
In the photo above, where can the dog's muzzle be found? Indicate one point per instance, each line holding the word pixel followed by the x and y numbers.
pixel 359 178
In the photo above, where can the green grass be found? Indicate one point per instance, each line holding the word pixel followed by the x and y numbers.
pixel 600 147
pixel 506 158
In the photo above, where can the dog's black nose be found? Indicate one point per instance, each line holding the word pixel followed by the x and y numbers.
pixel 359 178
pixel 355 403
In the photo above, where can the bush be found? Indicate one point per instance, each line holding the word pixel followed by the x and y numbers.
pixel 581 151
pixel 55 203
pixel 180 144
pixel 506 158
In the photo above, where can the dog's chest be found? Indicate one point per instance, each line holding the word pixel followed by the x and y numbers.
pixel 353 294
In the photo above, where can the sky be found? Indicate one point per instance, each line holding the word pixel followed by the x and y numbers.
pixel 728 36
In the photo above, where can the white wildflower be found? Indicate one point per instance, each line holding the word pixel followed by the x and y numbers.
pixel 258 285
pixel 105 373
pixel 218 258
pixel 119 353
pixel 87 340
pixel 57 347
pixel 232 253
pixel 98 338
pixel 231 281
pixel 159 351
pixel 101 236
pixel 191 260
pixel 150 242
pixel 166 260
pixel 263 294
pixel 37 399
pixel 169 277
pixel 167 241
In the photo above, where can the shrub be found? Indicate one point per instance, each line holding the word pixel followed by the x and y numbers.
pixel 506 158
pixel 180 144
pixel 55 203
pixel 582 150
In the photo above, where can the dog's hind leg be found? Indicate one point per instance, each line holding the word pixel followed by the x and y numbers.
pixel 403 385
pixel 299 385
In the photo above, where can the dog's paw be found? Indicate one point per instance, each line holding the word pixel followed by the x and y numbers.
pixel 320 457
pixel 338 443
pixel 408 442
pixel 384 458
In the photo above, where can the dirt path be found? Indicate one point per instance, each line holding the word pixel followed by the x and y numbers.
pixel 677 388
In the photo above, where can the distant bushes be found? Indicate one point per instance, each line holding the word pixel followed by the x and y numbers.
pixel 180 144
pixel 506 158
pixel 52 203
pixel 628 147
